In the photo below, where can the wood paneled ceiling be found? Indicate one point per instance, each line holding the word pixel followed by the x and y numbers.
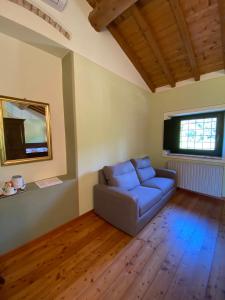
pixel 166 40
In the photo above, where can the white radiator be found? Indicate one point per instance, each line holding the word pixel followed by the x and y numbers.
pixel 201 178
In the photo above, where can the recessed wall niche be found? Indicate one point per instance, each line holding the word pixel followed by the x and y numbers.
pixel 38 69
pixel 32 68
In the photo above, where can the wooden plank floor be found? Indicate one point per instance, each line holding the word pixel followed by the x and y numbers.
pixel 180 254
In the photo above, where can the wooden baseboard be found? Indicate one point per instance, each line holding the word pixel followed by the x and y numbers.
pixel 45 236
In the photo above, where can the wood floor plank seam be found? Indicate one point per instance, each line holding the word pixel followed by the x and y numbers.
pixel 178 255
pixel 180 281
pixel 154 249
pixel 203 265
pixel 69 245
pixel 39 275
pixel 169 245
pixel 132 290
pixel 71 272
pixel 155 224
pixel 216 290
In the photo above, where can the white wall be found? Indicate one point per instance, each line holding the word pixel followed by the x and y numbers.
pixel 27 72
pixel 195 96
pixel 112 123
pixel 100 48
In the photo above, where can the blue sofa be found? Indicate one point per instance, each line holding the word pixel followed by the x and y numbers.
pixel 130 194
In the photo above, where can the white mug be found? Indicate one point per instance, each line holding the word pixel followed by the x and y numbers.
pixel 18 182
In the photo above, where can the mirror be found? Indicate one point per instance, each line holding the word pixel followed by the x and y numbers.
pixel 24 131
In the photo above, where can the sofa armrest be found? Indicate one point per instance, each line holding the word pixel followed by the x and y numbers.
pixel 116 206
pixel 166 173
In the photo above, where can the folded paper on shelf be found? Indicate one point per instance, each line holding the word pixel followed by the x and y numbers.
pixel 48 182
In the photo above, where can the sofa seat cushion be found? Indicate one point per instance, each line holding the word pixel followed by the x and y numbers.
pixel 122 175
pixel 144 169
pixel 164 184
pixel 146 198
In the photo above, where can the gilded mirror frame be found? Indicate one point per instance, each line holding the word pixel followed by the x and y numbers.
pixel 4 160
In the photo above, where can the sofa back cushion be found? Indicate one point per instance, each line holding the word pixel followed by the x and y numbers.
pixel 122 175
pixel 143 168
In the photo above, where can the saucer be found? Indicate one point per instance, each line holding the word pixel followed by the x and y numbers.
pixel 9 193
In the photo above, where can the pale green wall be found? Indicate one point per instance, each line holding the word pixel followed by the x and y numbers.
pixel 112 123
pixel 69 113
pixel 197 95
pixel 31 214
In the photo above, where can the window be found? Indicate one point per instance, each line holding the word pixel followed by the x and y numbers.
pixel 196 134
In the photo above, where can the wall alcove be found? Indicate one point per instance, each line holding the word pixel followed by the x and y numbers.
pixel 36 68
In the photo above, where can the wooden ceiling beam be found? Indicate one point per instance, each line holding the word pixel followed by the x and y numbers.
pixel 127 50
pixel 131 55
pixel 221 8
pixel 152 43
pixel 92 3
pixel 105 11
pixel 185 36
